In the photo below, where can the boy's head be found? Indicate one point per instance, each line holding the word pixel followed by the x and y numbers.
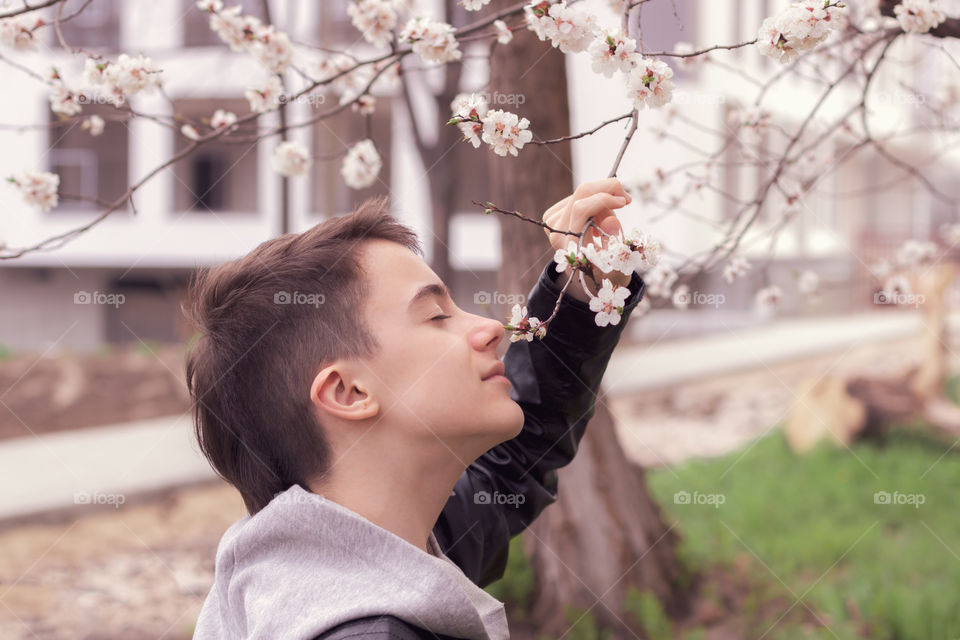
pixel 335 340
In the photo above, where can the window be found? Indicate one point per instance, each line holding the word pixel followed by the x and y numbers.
pixel 333 136
pixel 90 167
pixel 473 167
pixel 196 23
pixel 220 176
pixel 96 26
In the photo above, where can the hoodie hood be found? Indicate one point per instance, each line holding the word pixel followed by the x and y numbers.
pixel 305 564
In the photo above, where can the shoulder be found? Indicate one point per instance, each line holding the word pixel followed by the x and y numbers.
pixel 385 627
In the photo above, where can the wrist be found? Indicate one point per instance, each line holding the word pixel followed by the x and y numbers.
pixel 575 289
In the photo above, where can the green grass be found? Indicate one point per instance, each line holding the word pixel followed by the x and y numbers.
pixel 812 523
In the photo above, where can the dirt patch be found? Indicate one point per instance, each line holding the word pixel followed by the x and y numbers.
pixel 135 572
pixel 46 394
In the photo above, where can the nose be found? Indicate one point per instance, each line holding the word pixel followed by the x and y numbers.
pixel 486 333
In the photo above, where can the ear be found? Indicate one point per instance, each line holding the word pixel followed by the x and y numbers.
pixel 336 392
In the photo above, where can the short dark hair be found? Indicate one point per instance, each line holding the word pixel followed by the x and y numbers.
pixel 250 370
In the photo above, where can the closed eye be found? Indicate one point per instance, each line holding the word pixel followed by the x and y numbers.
pixel 440 317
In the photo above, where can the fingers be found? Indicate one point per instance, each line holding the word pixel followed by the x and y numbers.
pixel 600 207
pixel 596 199
pixel 606 185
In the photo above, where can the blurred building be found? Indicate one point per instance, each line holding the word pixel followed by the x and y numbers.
pixel 222 201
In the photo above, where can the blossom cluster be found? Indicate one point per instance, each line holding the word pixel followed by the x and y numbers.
pixel 15 33
pixel 247 33
pixel 375 19
pixel 800 27
pixel 291 159
pixel 649 81
pixel 361 166
pixel 623 253
pixel 432 40
pixel 523 327
pixel 505 132
pixel 918 16
pixel 118 80
pixel 39 188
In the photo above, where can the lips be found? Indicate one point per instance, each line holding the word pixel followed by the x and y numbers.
pixel 497 370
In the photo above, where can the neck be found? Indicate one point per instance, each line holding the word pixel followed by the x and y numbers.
pixel 405 495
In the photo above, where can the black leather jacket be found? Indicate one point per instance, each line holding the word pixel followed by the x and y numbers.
pixel 555 381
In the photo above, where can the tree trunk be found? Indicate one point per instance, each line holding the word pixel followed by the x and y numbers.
pixel 605 533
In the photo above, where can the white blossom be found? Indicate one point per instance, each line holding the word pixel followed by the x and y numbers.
pixel 800 27
pixel 267 98
pixel 918 16
pixel 273 49
pixel 190 132
pixel 524 328
pixel 234 28
pixel 222 119
pixel 291 159
pixel 505 132
pixel 365 105
pixel 472 107
pixel 895 287
pixel 375 19
pixel 646 247
pixel 94 124
pixel 127 76
pixel 612 51
pixel 768 298
pixel 569 29
pixel 598 255
pixel 608 303
pixel 504 34
pixel 133 74
pixel 571 257
pixel 659 281
pixel 474 5
pixel 361 166
pixel 649 84
pixel 950 233
pixel 38 188
pixel 432 40
pixel 15 34
pixel 915 252
pixel 808 283
pixel 209 6
pixel 64 102
pixel 735 268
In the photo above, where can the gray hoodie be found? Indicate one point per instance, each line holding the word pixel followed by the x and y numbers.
pixel 304 564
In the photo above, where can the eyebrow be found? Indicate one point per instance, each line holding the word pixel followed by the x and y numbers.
pixel 427 290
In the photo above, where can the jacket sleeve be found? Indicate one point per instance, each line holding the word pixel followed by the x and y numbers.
pixel 555 381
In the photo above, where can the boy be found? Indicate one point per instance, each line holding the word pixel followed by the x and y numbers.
pixel 385 455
